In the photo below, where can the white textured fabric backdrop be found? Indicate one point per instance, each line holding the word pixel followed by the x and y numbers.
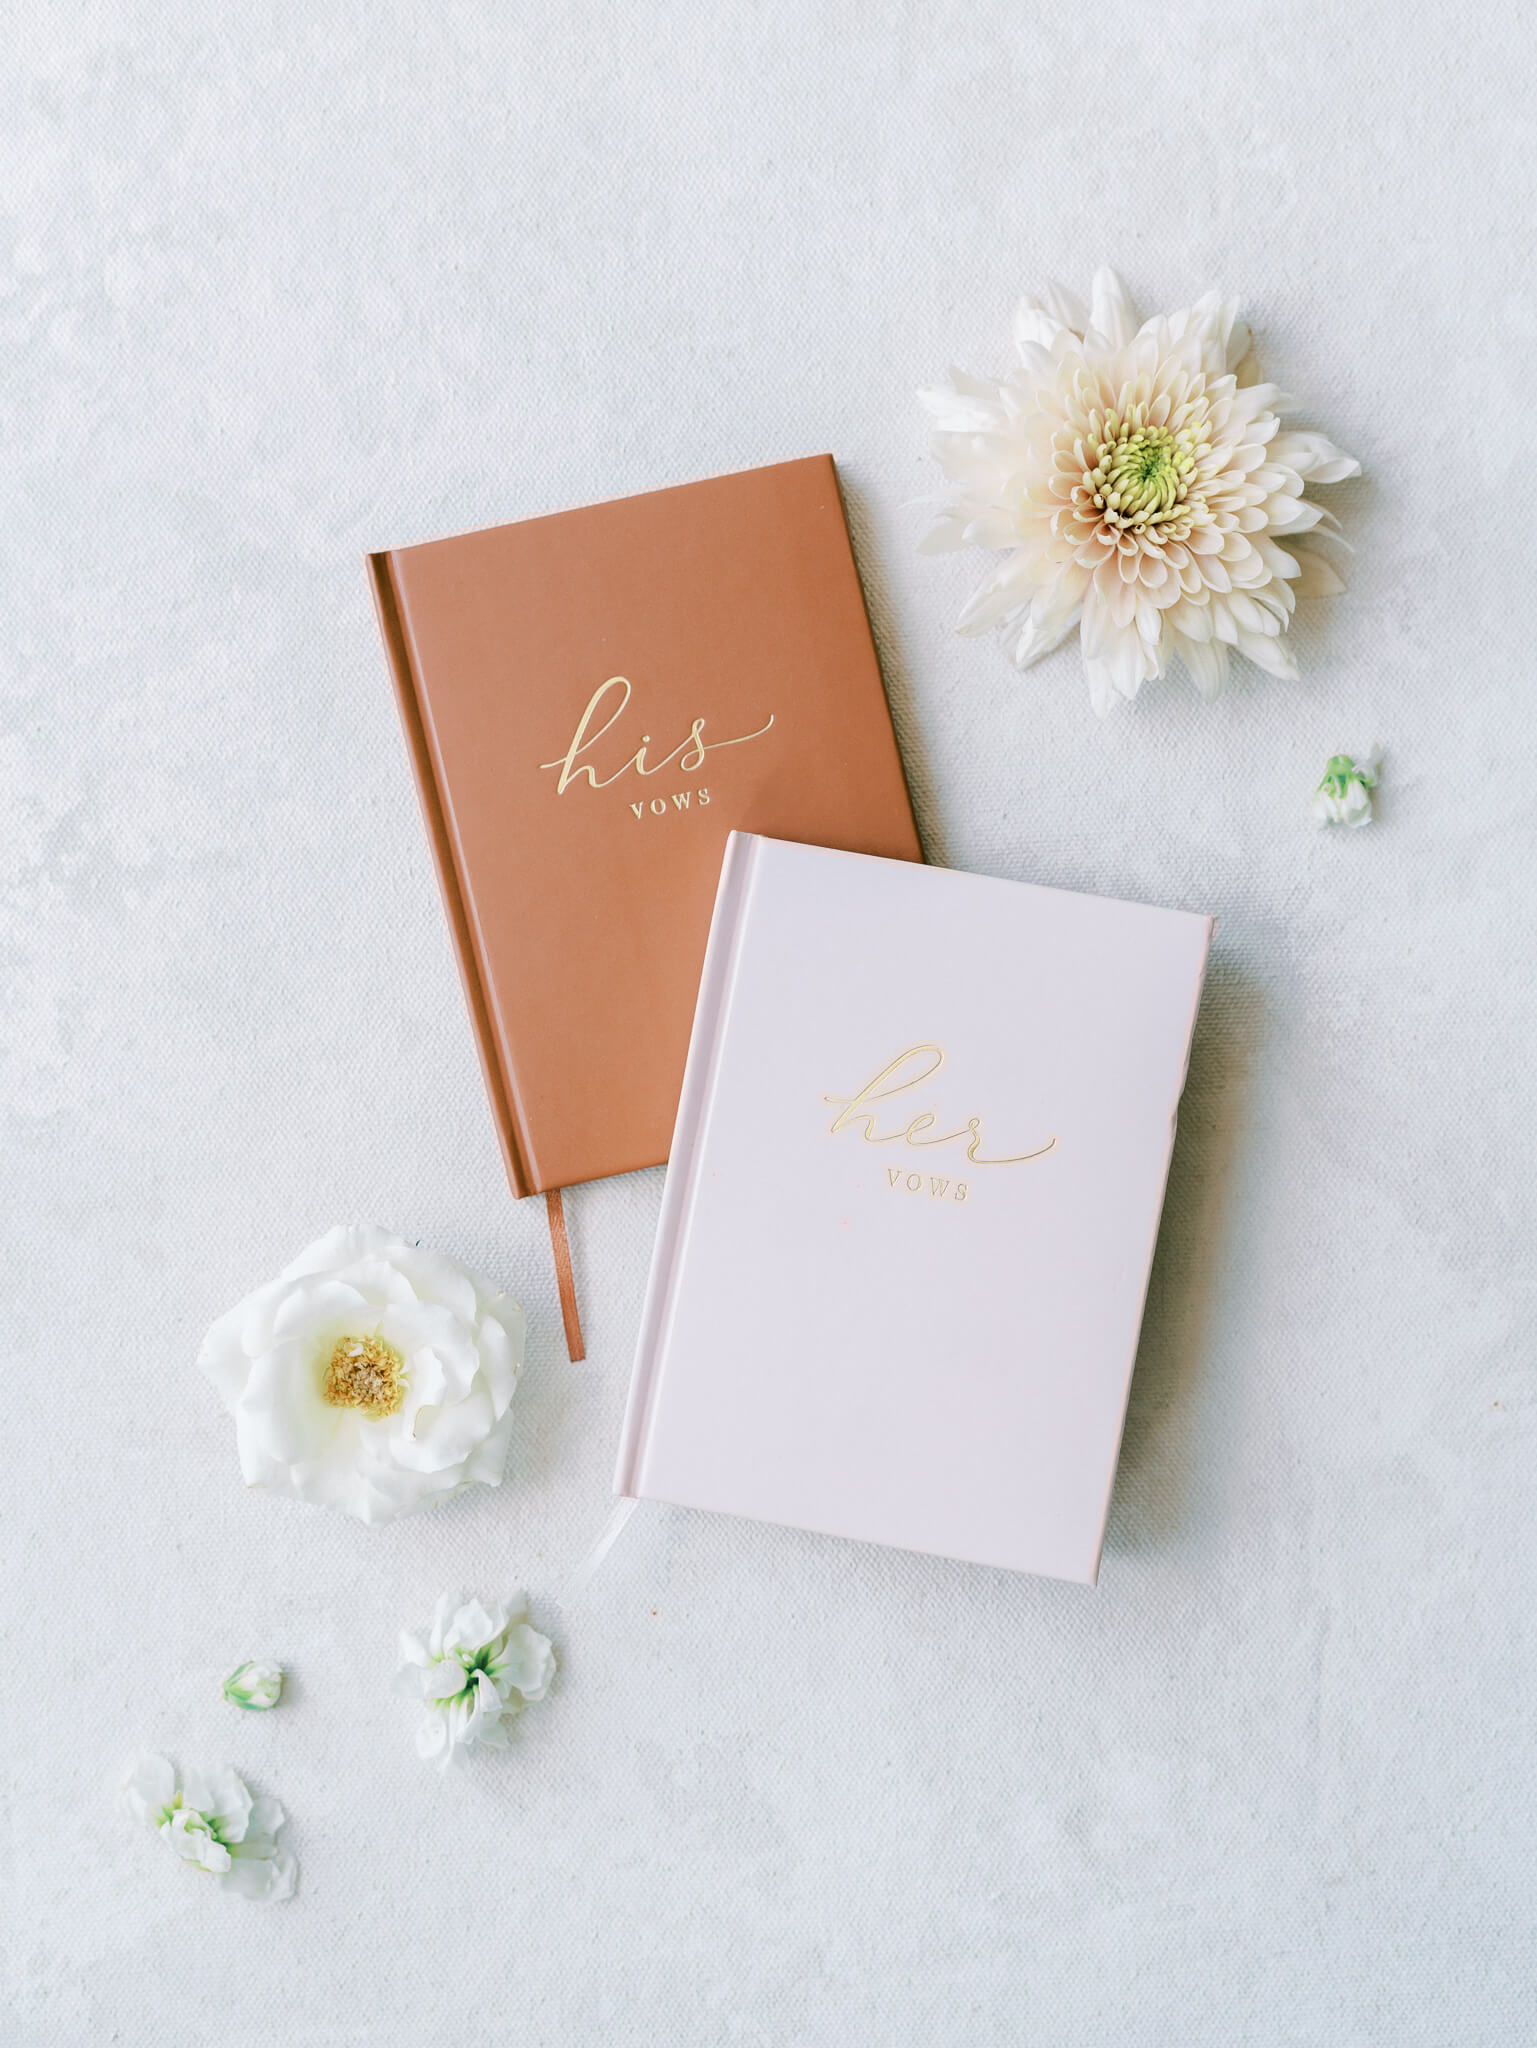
pixel 279 285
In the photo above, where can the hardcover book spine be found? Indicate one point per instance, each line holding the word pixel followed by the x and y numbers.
pixel 693 1104
pixel 397 647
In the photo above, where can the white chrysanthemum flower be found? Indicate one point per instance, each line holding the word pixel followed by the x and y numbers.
pixel 1139 476
pixel 473 1673
pixel 211 1821
pixel 254 1685
pixel 370 1376
pixel 1344 797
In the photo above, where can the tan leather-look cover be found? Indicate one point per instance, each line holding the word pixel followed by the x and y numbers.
pixel 714 638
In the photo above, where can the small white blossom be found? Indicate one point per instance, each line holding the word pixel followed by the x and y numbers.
pixel 211 1821
pixel 473 1673
pixel 371 1376
pixel 255 1685
pixel 1344 795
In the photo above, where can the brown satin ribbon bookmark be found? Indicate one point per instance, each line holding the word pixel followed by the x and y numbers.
pixel 560 1244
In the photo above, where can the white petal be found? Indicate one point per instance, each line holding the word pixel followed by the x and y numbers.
pixel 442 1620
pixel 149 1787
pixel 1207 663
pixel 439 1441
pixel 1103 696
pixel 1190 621
pixel 487 1462
pixel 281 1414
pixel 1252 616
pixel 267 1816
pixel 321 1299
pixel 1315 577
pixel 1003 592
pixel 1273 655
pixel 437 1280
pixel 222 1356
pixel 529 1661
pixel 342 1247
pixel 470 1628
pixel 443 1681
pixel 1058 602
pixel 992 528
pixel 959 412
pixel 1067 308
pixel 1111 312
pixel 196 1789
pixel 1240 346
pixel 257 1312
pixel 1029 642
pixel 1033 327
pixel 223 1795
pixel 1314 457
pixel 1328 529
pixel 270 1878
pixel 1038 362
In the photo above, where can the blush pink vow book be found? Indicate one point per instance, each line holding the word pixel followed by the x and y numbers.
pixel 911 1206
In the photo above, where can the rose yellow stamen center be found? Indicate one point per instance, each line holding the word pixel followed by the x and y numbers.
pixel 368 1374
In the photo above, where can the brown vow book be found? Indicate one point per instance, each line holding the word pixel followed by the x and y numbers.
pixel 593 701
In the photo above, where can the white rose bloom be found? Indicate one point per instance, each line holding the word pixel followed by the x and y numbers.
pixel 370 1376
pixel 254 1685
pixel 211 1821
pixel 473 1673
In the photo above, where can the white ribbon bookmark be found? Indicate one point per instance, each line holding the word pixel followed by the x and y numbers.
pixel 582 1577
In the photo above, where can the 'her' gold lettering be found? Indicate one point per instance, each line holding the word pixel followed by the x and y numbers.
pixel 909 1070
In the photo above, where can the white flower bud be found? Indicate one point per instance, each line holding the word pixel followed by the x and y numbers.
pixel 1344 795
pixel 255 1686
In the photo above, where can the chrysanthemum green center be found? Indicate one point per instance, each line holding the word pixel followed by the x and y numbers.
pixel 365 1373
pixel 1142 474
